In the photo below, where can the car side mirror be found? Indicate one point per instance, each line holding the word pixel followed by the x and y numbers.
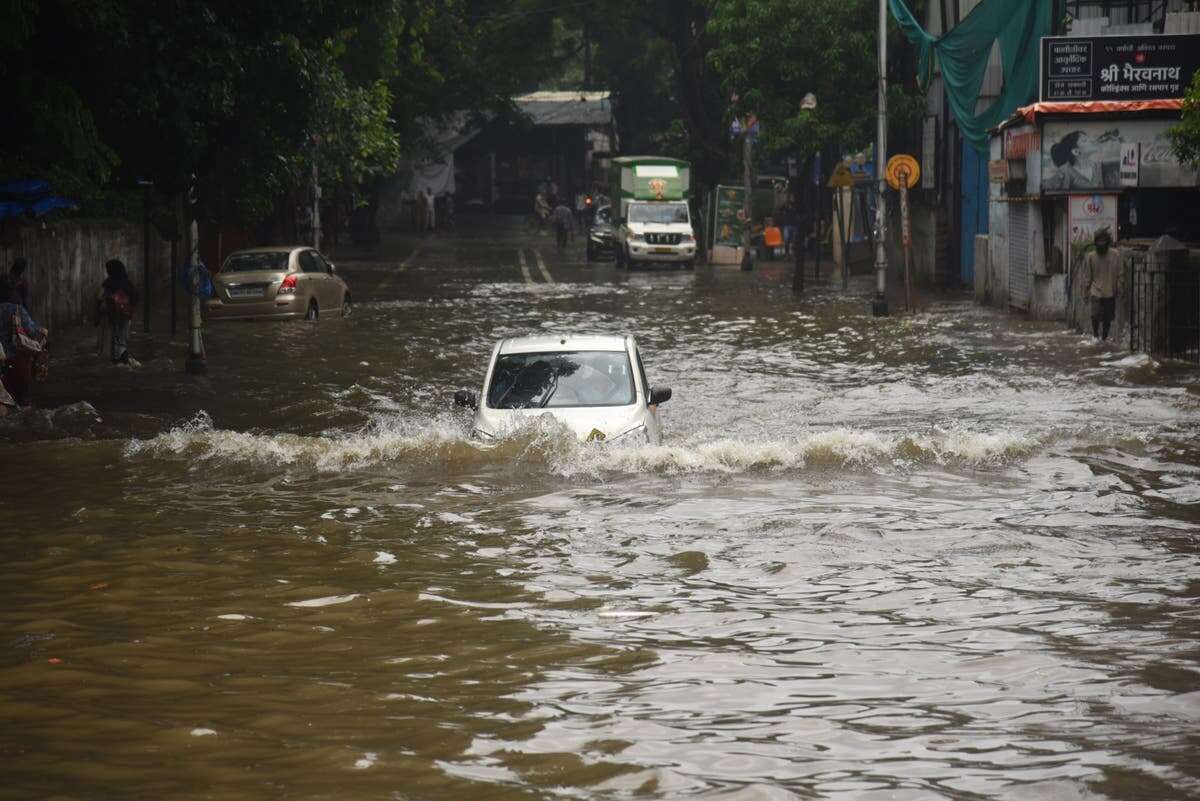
pixel 466 398
pixel 332 268
pixel 659 395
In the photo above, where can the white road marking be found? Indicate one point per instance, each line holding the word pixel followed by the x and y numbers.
pixel 404 264
pixel 542 266
pixel 401 268
pixel 524 266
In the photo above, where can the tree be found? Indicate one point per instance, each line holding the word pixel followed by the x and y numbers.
pixel 1185 137
pixel 773 52
pixel 667 97
pixel 240 99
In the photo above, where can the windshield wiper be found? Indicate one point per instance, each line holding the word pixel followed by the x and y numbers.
pixel 550 392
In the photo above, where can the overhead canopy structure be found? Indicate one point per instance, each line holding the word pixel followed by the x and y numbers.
pixel 544 109
pixel 1030 112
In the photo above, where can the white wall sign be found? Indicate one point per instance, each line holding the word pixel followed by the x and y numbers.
pixel 1087 214
pixel 1130 157
pixel 1080 155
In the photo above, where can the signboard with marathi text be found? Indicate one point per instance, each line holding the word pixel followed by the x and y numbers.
pixel 1086 68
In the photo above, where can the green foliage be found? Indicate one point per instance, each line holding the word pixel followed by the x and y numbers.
pixel 773 52
pixel 239 98
pixel 1185 137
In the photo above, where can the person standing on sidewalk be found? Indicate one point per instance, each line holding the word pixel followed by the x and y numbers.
pixel 117 299
pixel 430 210
pixel 1103 273
pixel 563 221
pixel 20 284
pixel 17 328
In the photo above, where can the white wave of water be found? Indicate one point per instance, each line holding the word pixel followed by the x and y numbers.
pixel 434 443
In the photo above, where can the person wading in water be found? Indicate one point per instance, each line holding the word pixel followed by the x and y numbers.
pixel 1103 274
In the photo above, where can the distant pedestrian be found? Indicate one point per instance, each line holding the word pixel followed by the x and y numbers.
pixel 20 283
pixel 419 211
pixel 430 210
pixel 20 340
pixel 581 207
pixel 772 239
pixel 563 220
pixel 116 301
pixel 1102 271
pixel 541 209
pixel 787 224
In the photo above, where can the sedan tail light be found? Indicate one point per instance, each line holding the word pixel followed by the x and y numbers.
pixel 288 287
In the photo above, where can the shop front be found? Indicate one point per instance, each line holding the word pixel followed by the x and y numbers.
pixel 1062 169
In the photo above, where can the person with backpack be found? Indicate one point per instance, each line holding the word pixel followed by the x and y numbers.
pixel 116 301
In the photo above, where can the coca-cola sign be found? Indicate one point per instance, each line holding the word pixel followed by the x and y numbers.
pixel 1086 68
pixel 1082 155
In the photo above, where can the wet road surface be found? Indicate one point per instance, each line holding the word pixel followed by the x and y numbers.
pixel 946 555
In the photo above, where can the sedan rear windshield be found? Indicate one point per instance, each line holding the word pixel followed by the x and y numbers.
pixel 658 213
pixel 558 380
pixel 271 261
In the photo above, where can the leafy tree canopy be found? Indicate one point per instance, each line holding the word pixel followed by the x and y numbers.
pixel 1185 137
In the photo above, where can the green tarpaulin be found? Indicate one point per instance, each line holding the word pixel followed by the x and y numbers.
pixel 963 53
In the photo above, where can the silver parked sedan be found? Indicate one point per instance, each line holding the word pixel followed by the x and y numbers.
pixel 277 283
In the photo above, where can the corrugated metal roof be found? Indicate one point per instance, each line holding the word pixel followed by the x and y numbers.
pixel 567 108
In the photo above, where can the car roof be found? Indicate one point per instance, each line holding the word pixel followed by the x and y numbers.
pixel 272 249
pixel 551 343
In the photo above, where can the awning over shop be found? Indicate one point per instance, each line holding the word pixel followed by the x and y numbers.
pixel 1031 111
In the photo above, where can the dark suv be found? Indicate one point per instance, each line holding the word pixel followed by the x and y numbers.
pixel 601 236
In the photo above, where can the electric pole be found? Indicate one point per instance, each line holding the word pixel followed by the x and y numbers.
pixel 880 308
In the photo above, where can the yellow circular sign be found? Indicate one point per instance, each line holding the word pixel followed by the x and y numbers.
pixel 902 170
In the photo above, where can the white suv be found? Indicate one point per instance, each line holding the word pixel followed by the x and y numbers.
pixel 595 385
pixel 656 231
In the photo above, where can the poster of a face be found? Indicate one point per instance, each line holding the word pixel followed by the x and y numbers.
pixel 1082 155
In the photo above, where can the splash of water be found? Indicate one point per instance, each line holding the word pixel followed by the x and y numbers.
pixel 441 443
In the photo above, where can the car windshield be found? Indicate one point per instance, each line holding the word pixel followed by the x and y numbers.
pixel 557 380
pixel 658 213
pixel 268 261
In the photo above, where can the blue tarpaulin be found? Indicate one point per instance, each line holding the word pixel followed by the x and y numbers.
pixel 30 198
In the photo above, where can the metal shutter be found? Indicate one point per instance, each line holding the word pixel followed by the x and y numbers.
pixel 1018 255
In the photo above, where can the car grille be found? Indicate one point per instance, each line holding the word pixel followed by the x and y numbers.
pixel 663 239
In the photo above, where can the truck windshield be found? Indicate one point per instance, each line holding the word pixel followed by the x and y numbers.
pixel 556 380
pixel 658 212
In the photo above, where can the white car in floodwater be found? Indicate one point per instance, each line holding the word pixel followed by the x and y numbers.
pixel 595 385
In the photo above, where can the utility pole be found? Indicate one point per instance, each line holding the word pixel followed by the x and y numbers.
pixel 197 360
pixel 146 184
pixel 880 308
pixel 316 210
pixel 747 162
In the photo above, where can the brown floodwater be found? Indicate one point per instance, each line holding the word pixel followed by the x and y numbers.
pixel 946 555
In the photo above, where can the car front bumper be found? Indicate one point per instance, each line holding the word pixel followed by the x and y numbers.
pixel 664 253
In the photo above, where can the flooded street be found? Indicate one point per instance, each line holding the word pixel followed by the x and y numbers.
pixel 946 555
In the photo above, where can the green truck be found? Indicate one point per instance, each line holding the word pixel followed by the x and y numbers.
pixel 653 223
pixel 648 178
